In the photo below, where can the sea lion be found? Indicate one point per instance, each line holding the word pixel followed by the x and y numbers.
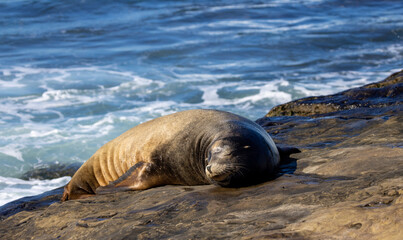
pixel 192 147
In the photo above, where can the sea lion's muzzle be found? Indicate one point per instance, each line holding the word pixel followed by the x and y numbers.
pixel 218 172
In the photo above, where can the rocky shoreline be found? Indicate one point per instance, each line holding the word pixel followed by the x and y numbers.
pixel 346 182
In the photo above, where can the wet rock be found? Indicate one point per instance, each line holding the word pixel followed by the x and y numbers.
pixel 52 171
pixel 376 95
pixel 344 182
pixel 30 203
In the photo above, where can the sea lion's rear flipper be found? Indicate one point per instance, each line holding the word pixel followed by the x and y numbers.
pixel 139 177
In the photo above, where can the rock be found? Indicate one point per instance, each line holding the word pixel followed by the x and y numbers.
pixel 52 171
pixel 375 95
pixel 30 203
pixel 345 182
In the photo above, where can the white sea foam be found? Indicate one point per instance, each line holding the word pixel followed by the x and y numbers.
pixel 10 84
pixel 260 5
pixel 266 91
pixel 270 92
pixel 50 99
pixel 234 64
pixel 274 26
pixel 38 134
pixel 14 188
pixel 239 6
pixel 99 128
pixel 262 26
pixel 12 150
pixel 203 77
pixel 6 72
pixel 332 82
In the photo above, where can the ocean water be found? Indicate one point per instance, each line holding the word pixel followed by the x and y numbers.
pixel 76 74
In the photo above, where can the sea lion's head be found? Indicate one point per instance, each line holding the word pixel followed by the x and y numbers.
pixel 238 161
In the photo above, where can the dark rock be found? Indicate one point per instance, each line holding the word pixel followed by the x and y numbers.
pixel 388 92
pixel 346 158
pixel 52 171
pixel 31 203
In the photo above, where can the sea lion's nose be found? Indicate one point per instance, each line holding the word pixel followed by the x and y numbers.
pixel 209 168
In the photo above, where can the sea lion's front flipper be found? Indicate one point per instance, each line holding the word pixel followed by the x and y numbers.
pixel 139 177
pixel 77 193
pixel 285 151
pixel 288 164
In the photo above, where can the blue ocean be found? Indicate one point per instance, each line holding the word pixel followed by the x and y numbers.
pixel 76 74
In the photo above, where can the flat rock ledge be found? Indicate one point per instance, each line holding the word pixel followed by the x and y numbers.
pixel 345 183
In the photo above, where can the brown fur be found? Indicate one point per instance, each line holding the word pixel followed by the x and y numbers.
pixel 166 150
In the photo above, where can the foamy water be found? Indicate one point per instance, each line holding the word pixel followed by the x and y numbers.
pixel 14 188
pixel 75 75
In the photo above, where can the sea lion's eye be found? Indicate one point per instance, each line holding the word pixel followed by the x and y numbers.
pixel 217 150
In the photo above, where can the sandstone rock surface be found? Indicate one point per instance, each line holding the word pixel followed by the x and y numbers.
pixel 345 183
